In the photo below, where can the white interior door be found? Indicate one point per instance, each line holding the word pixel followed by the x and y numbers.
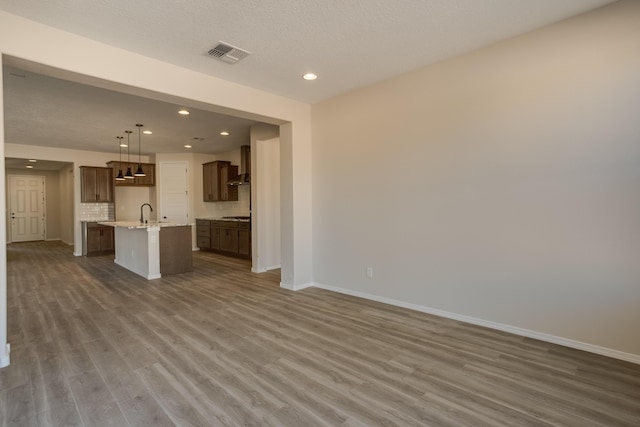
pixel 174 192
pixel 26 207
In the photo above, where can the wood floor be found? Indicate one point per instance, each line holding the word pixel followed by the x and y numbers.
pixel 93 344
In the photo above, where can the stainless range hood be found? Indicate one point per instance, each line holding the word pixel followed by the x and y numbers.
pixel 245 168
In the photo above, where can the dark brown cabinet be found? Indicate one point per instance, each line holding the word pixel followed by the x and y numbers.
pixel 203 233
pixel 175 250
pixel 215 176
pixel 149 180
pixel 215 235
pixel 244 239
pixel 100 240
pixel 96 184
pixel 225 237
pixel 228 236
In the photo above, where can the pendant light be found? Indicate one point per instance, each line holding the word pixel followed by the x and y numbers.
pixel 129 174
pixel 120 177
pixel 139 171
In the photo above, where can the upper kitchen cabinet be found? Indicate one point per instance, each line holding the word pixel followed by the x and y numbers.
pixel 149 180
pixel 96 184
pixel 215 176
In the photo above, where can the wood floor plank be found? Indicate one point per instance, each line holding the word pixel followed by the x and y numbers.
pixel 50 392
pixel 94 344
pixel 121 381
pixel 179 404
pixel 17 406
pixel 61 415
pixel 143 410
pixel 19 373
pixel 96 405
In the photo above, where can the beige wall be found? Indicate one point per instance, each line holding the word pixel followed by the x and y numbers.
pixel 67 202
pixel 501 187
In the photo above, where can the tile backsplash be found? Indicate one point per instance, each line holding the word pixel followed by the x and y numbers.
pixel 241 207
pixel 97 212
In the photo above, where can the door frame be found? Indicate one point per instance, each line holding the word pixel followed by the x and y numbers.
pixel 44 205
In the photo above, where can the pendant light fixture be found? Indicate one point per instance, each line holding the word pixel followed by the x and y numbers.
pixel 139 171
pixel 120 177
pixel 129 174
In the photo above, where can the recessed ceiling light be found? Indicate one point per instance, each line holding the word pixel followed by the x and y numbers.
pixel 29 167
pixel 32 160
pixel 309 76
pixel 147 132
pixel 224 133
pixel 183 112
pixel 187 146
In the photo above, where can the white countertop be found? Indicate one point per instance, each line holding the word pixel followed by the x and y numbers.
pixel 137 224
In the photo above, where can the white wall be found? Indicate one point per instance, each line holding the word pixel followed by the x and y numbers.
pixel 66 205
pixel 4 346
pixel 266 180
pixel 502 187
pixel 128 201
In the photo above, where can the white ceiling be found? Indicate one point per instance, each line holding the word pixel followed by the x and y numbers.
pixel 349 44
pixel 47 111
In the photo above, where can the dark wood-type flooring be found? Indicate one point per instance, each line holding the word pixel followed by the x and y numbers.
pixel 93 344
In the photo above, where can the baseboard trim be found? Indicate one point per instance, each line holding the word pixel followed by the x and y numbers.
pixel 296 287
pixel 265 269
pixel 5 358
pixel 53 240
pixel 579 345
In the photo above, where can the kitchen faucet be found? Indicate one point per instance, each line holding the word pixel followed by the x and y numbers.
pixel 141 216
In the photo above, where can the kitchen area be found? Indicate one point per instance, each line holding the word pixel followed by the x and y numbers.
pixel 156 245
pixel 214 174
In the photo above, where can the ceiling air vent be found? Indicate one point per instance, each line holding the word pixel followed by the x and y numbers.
pixel 227 53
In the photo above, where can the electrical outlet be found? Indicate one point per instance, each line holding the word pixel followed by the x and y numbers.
pixel 370 272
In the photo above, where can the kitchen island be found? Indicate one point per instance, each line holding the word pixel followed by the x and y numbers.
pixel 152 249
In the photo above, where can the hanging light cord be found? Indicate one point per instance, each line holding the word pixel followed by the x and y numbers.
pixel 139 171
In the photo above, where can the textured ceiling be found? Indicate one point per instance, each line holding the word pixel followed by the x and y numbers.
pixel 349 44
pixel 46 111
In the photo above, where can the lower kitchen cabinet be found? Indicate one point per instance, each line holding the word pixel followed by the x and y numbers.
pixel 203 233
pixel 244 239
pixel 228 236
pixel 225 237
pixel 99 240
pixel 215 235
